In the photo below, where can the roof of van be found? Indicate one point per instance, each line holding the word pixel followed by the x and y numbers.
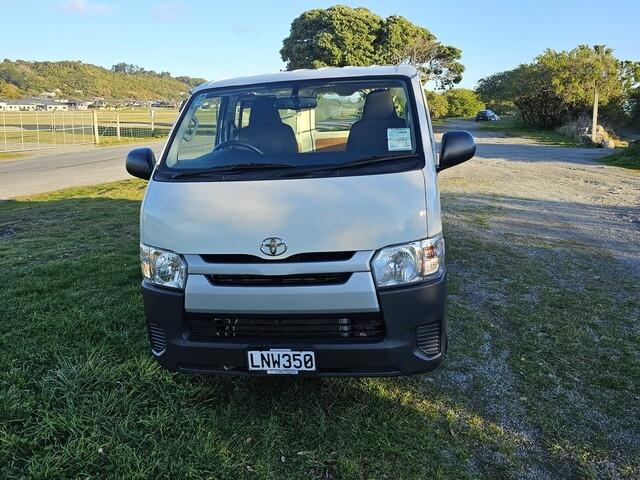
pixel 311 74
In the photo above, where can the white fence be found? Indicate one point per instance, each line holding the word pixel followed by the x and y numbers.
pixel 22 131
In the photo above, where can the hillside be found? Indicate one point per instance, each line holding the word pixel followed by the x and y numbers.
pixel 82 80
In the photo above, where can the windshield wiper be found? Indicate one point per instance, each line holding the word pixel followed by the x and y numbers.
pixel 240 167
pixel 376 159
pixel 370 160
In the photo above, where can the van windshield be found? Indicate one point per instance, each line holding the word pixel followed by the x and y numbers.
pixel 295 129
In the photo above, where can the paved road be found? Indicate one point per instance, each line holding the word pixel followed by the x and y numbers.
pixel 65 168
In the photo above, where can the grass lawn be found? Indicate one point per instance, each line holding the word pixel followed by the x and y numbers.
pixel 12 155
pixel 515 128
pixel 627 158
pixel 440 122
pixel 542 378
pixel 111 141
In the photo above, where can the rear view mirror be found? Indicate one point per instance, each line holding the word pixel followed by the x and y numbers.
pixel 296 103
pixel 456 147
pixel 141 162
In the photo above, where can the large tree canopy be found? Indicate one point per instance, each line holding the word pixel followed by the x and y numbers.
pixel 340 36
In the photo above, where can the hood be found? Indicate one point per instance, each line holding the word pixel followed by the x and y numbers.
pixel 310 215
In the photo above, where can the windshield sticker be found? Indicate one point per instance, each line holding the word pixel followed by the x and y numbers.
pixel 398 139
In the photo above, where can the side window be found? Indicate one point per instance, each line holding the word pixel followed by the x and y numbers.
pixel 197 133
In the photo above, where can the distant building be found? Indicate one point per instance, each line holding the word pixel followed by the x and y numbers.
pixel 74 104
pixel 163 104
pixel 24 105
pixel 33 104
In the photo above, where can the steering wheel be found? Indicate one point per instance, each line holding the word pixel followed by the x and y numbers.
pixel 237 143
pixel 191 130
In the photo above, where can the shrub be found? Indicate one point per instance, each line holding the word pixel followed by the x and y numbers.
pixel 463 102
pixel 438 105
pixel 544 108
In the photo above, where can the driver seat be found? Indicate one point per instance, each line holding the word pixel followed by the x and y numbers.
pixel 266 131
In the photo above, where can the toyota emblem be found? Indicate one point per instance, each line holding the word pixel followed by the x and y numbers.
pixel 273 246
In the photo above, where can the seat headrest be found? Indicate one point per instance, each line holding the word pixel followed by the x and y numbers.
pixel 378 106
pixel 264 112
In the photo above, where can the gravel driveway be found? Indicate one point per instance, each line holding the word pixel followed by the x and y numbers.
pixel 559 193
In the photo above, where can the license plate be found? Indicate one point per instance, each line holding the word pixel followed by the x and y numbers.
pixel 281 361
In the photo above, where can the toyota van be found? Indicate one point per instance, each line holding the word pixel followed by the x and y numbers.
pixel 292 226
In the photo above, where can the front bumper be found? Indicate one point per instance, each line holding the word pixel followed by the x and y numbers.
pixel 406 312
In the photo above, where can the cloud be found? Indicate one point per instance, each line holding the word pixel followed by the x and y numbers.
pixel 168 11
pixel 84 7
pixel 243 30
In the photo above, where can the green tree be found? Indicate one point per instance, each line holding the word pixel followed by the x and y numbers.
pixel 8 90
pixel 509 85
pixel 340 36
pixel 401 41
pixel 462 102
pixel 438 105
pixel 586 75
pixel 336 36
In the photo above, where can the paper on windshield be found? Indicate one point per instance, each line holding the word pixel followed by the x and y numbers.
pixel 398 139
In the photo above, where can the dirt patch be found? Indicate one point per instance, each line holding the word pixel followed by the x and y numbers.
pixel 557 193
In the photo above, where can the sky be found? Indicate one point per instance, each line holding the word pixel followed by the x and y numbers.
pixel 213 39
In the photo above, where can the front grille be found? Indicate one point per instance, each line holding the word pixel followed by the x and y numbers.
pixel 213 327
pixel 428 338
pixel 157 338
pixel 298 258
pixel 312 279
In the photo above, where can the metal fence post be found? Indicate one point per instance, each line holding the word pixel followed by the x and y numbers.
pixel 64 133
pixel 21 130
pixel 4 129
pixel 84 133
pixel 53 128
pixel 153 126
pixel 96 136
pixel 38 130
pixel 118 125
pixel 73 129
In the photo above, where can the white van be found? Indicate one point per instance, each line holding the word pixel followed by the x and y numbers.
pixel 292 226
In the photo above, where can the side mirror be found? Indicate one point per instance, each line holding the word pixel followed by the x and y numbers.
pixel 456 147
pixel 141 162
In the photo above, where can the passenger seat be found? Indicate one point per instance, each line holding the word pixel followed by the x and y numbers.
pixel 369 134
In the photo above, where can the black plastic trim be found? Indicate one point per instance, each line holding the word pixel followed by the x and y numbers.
pixel 403 309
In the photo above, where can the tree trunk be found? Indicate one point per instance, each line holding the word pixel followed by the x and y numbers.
pixel 594 121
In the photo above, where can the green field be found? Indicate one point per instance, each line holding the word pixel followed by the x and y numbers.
pixel 541 380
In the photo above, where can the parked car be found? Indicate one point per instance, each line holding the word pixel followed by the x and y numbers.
pixel 294 227
pixel 487 115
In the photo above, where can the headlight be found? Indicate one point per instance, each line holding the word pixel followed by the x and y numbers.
pixel 163 268
pixel 409 263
